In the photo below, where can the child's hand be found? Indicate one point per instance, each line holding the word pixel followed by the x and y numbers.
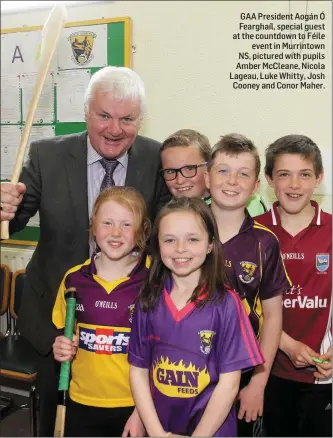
pixel 301 354
pixel 64 349
pixel 324 370
pixel 251 403
pixel 134 426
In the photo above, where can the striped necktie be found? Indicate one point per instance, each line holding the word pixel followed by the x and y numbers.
pixel 109 167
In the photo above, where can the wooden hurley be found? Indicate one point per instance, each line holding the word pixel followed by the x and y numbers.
pixel 59 428
pixel 50 37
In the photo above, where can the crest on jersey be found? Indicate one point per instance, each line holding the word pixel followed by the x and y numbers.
pixel 248 270
pixel 131 308
pixel 82 44
pixel 206 340
pixel 322 262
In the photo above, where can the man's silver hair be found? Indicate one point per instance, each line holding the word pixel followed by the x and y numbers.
pixel 122 82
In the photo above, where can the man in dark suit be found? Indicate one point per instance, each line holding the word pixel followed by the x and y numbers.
pixel 61 180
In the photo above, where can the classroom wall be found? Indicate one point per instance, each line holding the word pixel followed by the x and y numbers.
pixel 184 52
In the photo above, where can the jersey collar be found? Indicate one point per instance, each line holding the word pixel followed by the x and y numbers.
pixel 90 269
pixel 178 315
pixel 247 223
pixel 317 220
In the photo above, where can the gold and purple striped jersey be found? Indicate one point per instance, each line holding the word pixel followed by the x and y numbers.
pixel 104 310
pixel 187 350
pixel 255 268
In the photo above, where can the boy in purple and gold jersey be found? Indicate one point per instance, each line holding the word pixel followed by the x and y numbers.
pixel 107 286
pixel 191 336
pixel 253 260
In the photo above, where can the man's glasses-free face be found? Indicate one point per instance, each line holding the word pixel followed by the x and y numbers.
pixel 186 171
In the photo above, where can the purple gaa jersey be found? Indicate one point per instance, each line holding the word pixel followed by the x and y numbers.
pixel 255 268
pixel 104 310
pixel 186 351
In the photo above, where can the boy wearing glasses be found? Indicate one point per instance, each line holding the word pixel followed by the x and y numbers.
pixel 184 156
pixel 254 263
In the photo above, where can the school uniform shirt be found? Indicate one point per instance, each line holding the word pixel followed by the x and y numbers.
pixel 306 305
pixel 104 310
pixel 255 268
pixel 186 351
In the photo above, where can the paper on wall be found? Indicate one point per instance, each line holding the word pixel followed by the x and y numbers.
pixel 71 86
pixel 45 108
pixel 10 99
pixel 10 140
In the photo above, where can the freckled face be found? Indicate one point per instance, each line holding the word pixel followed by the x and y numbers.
pixel 232 180
pixel 114 230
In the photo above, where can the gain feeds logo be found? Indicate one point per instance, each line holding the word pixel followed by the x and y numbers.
pixel 178 380
pixel 103 341
pixel 82 44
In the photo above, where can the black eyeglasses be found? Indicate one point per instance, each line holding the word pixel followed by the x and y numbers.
pixel 186 171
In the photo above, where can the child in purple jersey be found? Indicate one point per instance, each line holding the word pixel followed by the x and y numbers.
pixel 191 336
pixel 253 260
pixel 107 285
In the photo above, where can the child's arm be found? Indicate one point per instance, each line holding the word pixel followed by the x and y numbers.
pixel 252 396
pixel 139 378
pixel 219 404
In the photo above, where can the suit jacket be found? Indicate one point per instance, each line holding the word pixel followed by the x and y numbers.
pixel 56 180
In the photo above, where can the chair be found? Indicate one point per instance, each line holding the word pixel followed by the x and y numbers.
pixel 5 402
pixel 4 291
pixel 18 357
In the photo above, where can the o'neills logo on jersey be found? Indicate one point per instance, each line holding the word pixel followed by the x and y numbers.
pixel 304 302
pixel 293 256
pixel 178 380
pixel 103 341
pixel 106 304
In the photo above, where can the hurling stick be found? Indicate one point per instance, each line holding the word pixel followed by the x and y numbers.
pixel 50 36
pixel 59 428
